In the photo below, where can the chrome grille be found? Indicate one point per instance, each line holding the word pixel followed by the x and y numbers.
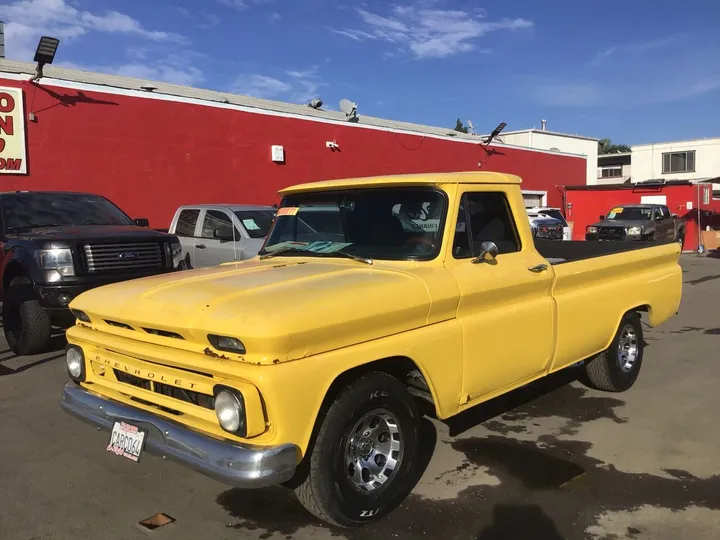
pixel 112 257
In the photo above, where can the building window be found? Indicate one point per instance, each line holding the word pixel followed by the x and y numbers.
pixel 611 171
pixel 678 162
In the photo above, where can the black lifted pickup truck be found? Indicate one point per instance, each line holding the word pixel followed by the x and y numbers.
pixel 638 222
pixel 56 245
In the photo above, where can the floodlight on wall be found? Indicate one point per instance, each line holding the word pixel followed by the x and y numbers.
pixel 44 54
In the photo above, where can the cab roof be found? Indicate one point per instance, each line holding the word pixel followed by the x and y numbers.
pixel 428 179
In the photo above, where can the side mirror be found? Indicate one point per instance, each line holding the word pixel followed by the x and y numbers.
pixel 141 222
pixel 488 253
pixel 602 217
pixel 224 233
pixel 674 216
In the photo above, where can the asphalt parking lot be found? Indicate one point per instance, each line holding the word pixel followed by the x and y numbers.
pixel 550 461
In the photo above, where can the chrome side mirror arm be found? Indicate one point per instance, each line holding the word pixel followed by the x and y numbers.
pixel 488 253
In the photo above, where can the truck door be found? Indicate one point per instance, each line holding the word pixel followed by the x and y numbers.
pixel 211 251
pixel 506 310
pixel 665 224
pixel 184 228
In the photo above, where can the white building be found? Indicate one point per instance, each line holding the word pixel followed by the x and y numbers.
pixel 543 139
pixel 614 168
pixel 694 160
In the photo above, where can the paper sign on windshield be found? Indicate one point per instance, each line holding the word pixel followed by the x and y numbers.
pixel 616 211
pixel 250 225
pixel 288 211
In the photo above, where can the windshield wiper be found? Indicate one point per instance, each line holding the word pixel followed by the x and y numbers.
pixel 270 254
pixel 300 250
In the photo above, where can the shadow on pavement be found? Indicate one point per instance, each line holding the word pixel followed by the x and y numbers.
pixel 56 345
pixel 516 522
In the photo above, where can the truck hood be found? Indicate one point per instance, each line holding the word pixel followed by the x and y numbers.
pixel 77 233
pixel 629 223
pixel 280 310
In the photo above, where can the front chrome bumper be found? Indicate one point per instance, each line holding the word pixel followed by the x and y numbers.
pixel 238 465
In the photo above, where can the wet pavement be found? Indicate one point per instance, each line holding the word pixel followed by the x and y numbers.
pixel 552 460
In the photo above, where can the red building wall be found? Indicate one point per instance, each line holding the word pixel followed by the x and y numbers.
pixel 585 206
pixel 151 155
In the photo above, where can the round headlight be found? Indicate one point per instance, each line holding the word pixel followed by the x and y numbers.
pixel 228 410
pixel 74 360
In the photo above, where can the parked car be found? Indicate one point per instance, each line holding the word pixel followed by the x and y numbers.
pixel 302 366
pixel 211 234
pixel 633 222
pixel 57 245
pixel 545 227
pixel 555 213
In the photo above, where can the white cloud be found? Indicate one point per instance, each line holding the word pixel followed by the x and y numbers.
pixel 426 31
pixel 275 16
pixel 569 94
pixel 622 95
pixel 298 86
pixel 260 86
pixel 633 48
pixel 165 72
pixel 242 5
pixel 27 20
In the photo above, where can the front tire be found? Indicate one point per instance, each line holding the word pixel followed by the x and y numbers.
pixel 364 459
pixel 616 369
pixel 26 325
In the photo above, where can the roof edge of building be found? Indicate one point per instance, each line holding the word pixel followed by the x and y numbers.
pixel 163 90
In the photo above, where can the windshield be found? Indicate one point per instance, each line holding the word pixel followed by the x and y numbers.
pixel 629 213
pixel 555 214
pixel 257 223
pixel 59 209
pixel 392 224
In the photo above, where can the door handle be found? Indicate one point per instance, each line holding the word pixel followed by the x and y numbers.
pixel 200 246
pixel 538 268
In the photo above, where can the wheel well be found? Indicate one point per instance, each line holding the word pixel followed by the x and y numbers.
pixel 645 308
pixel 400 367
pixel 12 271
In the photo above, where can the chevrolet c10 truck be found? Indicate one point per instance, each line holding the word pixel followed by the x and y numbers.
pixel 302 366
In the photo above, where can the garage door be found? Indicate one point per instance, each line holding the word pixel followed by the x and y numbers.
pixel 532 200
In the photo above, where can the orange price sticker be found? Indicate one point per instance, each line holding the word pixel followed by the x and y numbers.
pixel 288 211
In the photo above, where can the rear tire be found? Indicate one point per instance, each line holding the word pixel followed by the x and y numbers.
pixel 681 238
pixel 26 325
pixel 364 460
pixel 616 369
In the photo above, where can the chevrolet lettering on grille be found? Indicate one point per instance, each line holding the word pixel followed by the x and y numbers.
pixel 149 375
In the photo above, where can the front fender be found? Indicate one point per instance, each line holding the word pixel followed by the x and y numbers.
pixel 294 391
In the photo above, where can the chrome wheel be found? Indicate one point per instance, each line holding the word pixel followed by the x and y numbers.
pixel 373 451
pixel 628 348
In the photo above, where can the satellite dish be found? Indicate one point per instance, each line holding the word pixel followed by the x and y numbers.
pixel 470 125
pixel 349 108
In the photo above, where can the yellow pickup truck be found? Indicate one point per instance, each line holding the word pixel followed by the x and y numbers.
pixel 302 365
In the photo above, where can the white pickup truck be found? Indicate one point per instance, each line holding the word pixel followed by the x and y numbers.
pixel 212 234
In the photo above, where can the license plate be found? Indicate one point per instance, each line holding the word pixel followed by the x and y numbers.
pixel 127 441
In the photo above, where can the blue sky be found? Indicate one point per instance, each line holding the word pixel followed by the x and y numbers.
pixel 636 71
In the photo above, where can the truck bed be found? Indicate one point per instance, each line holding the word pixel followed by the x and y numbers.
pixel 576 250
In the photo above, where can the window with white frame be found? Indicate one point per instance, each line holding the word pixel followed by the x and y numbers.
pixel 610 171
pixel 678 162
